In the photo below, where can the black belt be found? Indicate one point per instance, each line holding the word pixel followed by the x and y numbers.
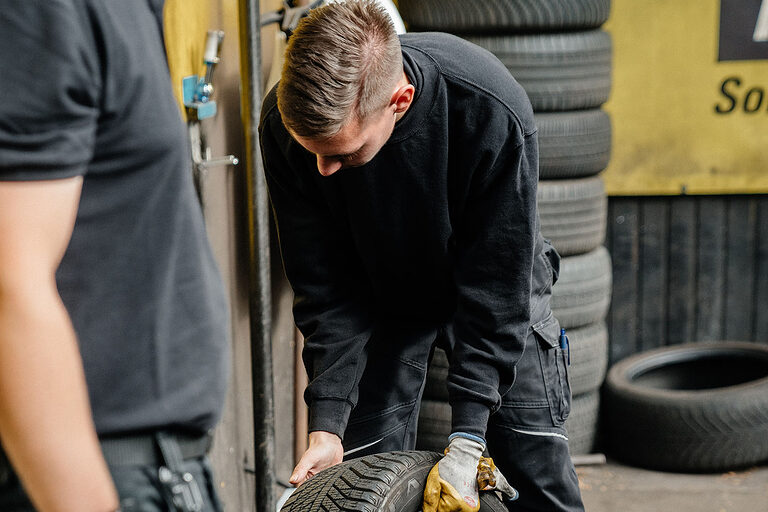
pixel 144 450
pixel 140 450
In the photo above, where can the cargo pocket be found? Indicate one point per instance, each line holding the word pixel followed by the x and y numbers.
pixel 554 368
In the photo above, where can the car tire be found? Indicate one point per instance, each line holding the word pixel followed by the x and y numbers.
pixel 582 294
pixel 566 71
pixel 436 386
pixel 589 357
pixel 699 407
pixel 582 423
pixel 573 214
pixel 573 144
pixel 468 16
pixel 434 425
pixel 385 482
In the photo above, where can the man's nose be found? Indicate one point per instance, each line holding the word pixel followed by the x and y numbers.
pixel 327 166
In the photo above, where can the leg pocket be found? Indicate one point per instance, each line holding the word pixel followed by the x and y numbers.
pixel 554 368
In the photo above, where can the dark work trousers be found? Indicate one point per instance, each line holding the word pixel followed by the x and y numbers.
pixel 139 486
pixel 526 436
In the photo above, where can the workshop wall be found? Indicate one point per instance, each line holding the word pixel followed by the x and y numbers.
pixel 690 97
pixel 186 24
pixel 690 116
pixel 687 269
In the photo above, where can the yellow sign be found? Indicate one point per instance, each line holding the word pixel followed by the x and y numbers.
pixel 689 102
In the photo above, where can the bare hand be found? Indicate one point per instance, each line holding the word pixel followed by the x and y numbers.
pixel 324 451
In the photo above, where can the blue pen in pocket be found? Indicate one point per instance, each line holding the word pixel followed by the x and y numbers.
pixel 565 344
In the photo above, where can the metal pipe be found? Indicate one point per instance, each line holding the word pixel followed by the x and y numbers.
pixel 259 261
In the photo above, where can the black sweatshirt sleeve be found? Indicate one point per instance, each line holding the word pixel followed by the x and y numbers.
pixel 330 305
pixel 495 241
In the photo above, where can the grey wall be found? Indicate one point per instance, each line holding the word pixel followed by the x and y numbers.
pixel 687 268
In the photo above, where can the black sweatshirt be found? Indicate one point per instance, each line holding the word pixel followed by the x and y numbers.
pixel 439 229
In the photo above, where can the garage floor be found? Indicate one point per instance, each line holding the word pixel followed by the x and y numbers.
pixel 613 487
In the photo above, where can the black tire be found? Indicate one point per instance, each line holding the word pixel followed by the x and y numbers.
pixel 436 387
pixel 573 213
pixel 582 422
pixel 469 16
pixel 568 71
pixel 582 294
pixel 573 144
pixel 384 482
pixel 700 407
pixel 589 357
pixel 434 425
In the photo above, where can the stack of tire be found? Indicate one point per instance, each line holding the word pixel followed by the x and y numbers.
pixel 559 54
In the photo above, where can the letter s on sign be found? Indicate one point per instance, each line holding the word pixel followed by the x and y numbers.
pixel 725 110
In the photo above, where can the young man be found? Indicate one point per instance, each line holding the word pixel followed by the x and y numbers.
pixel 403 177
pixel 113 318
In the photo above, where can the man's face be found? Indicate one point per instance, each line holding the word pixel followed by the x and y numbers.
pixel 354 145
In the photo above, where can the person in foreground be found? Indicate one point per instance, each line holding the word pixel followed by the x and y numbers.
pixel 113 318
pixel 403 174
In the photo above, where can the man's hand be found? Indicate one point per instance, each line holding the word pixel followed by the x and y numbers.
pixel 452 485
pixel 325 450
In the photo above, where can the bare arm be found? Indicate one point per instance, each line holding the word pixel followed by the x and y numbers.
pixel 45 417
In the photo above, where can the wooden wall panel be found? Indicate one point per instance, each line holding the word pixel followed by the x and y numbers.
pixel 623 245
pixel 761 279
pixel 682 271
pixel 654 253
pixel 740 257
pixel 690 268
pixel 711 268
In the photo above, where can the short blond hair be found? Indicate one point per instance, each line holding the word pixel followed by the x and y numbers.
pixel 342 63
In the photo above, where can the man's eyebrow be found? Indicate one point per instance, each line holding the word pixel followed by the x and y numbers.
pixel 345 155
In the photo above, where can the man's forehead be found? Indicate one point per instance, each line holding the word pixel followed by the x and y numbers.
pixel 346 141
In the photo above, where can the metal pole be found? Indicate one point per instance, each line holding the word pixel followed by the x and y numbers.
pixel 259 261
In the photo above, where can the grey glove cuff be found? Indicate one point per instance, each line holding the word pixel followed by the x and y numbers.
pixel 469 436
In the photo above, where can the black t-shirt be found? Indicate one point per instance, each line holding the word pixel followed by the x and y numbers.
pixel 439 229
pixel 86 92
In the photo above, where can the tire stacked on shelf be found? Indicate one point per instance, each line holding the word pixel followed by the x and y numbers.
pixel 559 54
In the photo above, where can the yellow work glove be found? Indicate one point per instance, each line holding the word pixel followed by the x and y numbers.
pixel 452 485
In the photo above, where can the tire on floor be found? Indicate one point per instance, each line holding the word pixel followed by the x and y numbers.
pixel 699 407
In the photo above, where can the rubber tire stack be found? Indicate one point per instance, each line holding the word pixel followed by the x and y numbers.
pixel 561 57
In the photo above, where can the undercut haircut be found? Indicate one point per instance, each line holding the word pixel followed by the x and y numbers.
pixel 342 64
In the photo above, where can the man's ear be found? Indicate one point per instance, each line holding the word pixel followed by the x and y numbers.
pixel 402 98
